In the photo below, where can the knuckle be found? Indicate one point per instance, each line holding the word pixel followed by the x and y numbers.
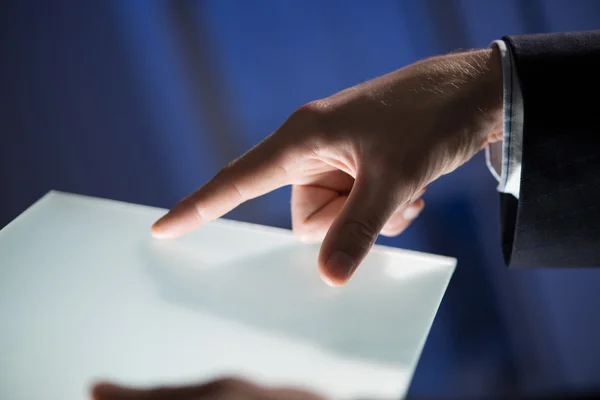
pixel 226 176
pixel 224 172
pixel 362 232
pixel 316 114
pixel 315 108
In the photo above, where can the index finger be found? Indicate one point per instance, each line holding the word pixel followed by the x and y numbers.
pixel 259 171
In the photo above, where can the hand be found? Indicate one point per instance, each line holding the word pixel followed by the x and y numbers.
pixel 359 159
pixel 224 389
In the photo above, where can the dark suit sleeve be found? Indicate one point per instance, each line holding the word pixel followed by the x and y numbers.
pixel 556 221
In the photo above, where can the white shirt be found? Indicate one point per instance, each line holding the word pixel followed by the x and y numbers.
pixel 504 158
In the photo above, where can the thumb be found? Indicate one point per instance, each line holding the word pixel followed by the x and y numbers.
pixel 368 207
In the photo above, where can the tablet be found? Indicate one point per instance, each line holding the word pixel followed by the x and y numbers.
pixel 87 294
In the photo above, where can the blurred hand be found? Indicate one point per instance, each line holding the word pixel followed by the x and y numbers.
pixel 358 160
pixel 224 389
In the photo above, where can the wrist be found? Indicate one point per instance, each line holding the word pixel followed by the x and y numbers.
pixel 487 78
pixel 495 87
pixel 493 80
pixel 487 92
pixel 473 76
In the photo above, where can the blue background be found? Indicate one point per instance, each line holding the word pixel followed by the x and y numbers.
pixel 143 101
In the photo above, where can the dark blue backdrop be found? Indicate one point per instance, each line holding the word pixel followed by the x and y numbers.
pixel 143 101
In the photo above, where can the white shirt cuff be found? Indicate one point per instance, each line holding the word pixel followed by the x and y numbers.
pixel 504 158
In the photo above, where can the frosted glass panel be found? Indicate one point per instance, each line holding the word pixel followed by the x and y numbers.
pixel 86 293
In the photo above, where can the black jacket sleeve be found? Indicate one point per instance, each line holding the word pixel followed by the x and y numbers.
pixel 556 221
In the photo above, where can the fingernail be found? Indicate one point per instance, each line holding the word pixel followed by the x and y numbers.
pixel 339 267
pixel 412 211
